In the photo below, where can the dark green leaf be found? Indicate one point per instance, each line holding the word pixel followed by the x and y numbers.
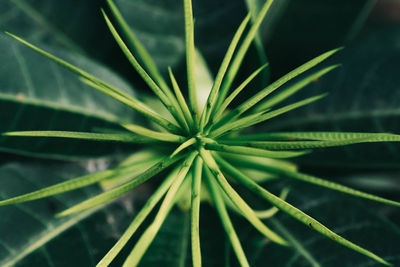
pixel 36 94
pixel 31 236
pixel 72 25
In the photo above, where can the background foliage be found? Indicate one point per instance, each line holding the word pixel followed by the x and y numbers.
pixel 35 94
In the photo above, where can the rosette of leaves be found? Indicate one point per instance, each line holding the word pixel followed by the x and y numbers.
pixel 204 150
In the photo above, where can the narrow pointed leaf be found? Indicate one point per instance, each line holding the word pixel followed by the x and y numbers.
pixel 184 145
pixel 279 145
pixel 237 91
pixel 181 100
pixel 237 61
pixel 148 236
pixel 195 211
pixel 133 170
pixel 190 57
pixel 226 127
pixel 265 214
pixel 256 163
pixel 162 136
pixel 258 118
pixel 210 105
pixel 126 137
pixel 332 185
pixel 287 92
pixel 243 150
pixel 261 214
pixel 61 187
pixel 323 136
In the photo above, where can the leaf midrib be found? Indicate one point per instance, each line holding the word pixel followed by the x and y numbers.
pixel 72 109
pixel 46 236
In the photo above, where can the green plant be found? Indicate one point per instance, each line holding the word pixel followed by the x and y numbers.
pixel 204 145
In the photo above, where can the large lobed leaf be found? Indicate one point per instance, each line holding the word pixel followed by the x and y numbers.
pixel 30 235
pixel 71 25
pixel 37 94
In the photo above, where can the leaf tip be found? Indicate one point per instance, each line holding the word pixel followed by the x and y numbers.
pixel 62 214
pixel 338 49
pixel 13 36
pixel 103 12
pixel 335 66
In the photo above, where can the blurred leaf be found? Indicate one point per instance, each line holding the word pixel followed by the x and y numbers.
pixel 363 97
pixel 37 94
pixel 267 27
pixel 346 216
pixel 386 182
pixel 30 235
pixel 307 28
pixel 72 25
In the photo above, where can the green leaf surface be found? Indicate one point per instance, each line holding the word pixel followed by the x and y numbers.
pixel 31 236
pixel 45 20
pixel 36 94
pixel 74 26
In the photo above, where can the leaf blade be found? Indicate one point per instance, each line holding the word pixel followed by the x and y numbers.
pixel 195 211
pixel 190 57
